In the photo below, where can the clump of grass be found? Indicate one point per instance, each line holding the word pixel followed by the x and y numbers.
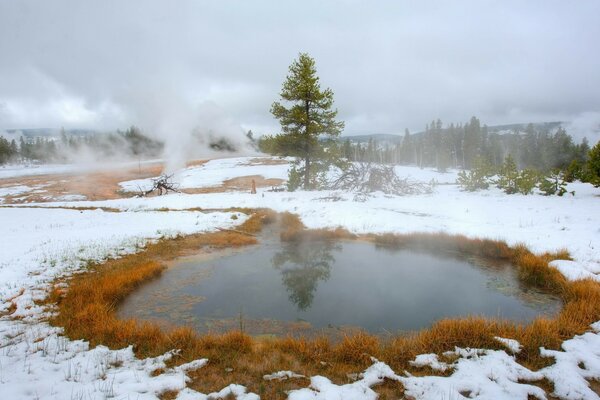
pixel 534 271
pixel 293 230
pixel 309 350
pixel 493 249
pixel 256 221
pixel 358 348
pixel 291 227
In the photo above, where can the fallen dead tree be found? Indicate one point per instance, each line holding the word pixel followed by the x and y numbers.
pixel 368 178
pixel 161 185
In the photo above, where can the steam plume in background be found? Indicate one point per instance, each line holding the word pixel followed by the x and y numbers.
pixel 189 129
pixel 162 124
pixel 586 125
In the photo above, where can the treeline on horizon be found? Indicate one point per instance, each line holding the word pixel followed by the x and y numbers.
pixel 461 146
pixel 126 144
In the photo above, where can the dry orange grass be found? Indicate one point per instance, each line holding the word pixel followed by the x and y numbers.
pixel 87 311
pixel 292 229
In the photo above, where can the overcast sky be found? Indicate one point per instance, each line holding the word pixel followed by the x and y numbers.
pixel 109 64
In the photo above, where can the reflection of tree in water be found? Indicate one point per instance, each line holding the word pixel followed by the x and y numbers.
pixel 302 266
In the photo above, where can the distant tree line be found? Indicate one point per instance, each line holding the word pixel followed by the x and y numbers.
pixel 458 146
pixel 130 143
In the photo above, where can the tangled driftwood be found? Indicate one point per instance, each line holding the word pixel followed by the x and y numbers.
pixel 367 178
pixel 162 185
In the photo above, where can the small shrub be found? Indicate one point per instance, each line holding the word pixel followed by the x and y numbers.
pixel 478 178
pixel 507 180
pixel 294 179
pixel 574 172
pixel 553 184
pixel 526 181
pixel 593 165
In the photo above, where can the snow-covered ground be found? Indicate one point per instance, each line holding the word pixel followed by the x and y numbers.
pixel 39 244
pixel 13 191
pixel 215 172
pixel 18 170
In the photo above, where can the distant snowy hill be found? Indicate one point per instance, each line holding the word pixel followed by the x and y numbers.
pixel 521 128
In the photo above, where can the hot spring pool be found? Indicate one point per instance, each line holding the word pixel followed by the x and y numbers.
pixel 328 287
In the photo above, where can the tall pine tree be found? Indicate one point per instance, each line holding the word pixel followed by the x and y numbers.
pixel 307 117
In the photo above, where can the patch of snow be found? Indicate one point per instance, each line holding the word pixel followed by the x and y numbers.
pixel 37 246
pixel 282 375
pixel 39 363
pixel 426 174
pixel 480 374
pixel 511 344
pixel 13 190
pixel 18 170
pixel 575 270
pixel 239 392
pixel 486 374
pixel 429 360
pixel 72 197
pixel 192 366
pixel 579 360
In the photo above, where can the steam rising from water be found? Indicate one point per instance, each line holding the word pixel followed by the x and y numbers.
pixel 187 127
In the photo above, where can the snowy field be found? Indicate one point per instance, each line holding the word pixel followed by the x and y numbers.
pixel 15 171
pixel 40 244
pixel 214 173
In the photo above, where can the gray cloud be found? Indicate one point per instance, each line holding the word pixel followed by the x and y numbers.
pixel 391 64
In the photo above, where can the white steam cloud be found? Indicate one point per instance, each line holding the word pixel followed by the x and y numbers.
pixel 187 127
pixel 586 125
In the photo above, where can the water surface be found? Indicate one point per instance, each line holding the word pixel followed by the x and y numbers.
pixel 311 287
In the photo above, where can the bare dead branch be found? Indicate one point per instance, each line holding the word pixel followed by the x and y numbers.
pixel 162 185
pixel 368 178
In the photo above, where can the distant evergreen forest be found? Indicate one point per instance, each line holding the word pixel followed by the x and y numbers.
pixel 461 146
pixel 130 143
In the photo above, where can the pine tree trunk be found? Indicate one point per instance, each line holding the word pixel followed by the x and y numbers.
pixel 308 150
pixel 307 173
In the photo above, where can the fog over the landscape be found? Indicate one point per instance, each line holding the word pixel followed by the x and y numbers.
pixel 174 66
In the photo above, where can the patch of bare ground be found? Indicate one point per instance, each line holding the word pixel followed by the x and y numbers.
pixel 195 163
pixel 266 161
pixel 87 311
pixel 238 184
pixel 95 185
pixel 98 185
pixel 595 386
